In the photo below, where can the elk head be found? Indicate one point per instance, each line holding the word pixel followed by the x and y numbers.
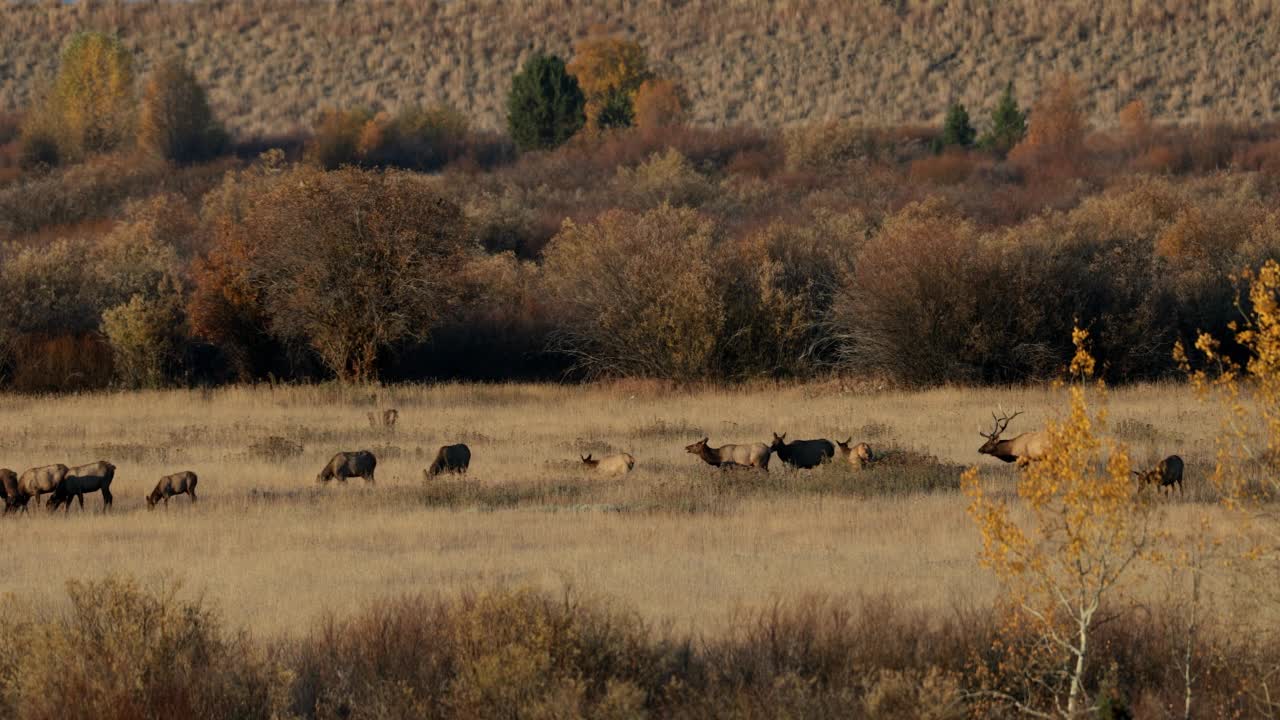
pixel 697 447
pixel 780 441
pixel 993 438
pixel 586 460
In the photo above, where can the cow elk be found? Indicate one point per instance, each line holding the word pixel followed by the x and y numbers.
pixel 1022 449
pixel 91 478
pixel 802 454
pixel 619 464
pixel 859 455
pixel 385 420
pixel 13 500
pixel 754 455
pixel 37 481
pixel 449 459
pixel 345 465
pixel 1167 472
pixel 170 485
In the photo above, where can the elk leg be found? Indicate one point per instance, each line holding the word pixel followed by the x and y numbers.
pixel 192 493
pixel 106 500
pixel 79 497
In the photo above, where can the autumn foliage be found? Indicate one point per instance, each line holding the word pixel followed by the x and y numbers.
pixel 610 71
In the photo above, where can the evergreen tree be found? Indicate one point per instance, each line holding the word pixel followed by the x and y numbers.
pixel 957 130
pixel 1008 123
pixel 545 106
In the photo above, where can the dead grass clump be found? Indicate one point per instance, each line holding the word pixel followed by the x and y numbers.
pixel 274 448
pixel 663 430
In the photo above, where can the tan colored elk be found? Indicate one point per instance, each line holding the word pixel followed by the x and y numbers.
pixel 619 464
pixel 13 499
pixel 859 455
pixel 1022 449
pixel 752 455
pixel 1167 472
pixel 170 485
pixel 359 463
pixel 37 481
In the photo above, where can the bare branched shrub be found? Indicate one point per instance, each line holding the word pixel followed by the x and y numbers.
pixel 640 293
pixel 353 262
pixel 664 178
pixel 175 121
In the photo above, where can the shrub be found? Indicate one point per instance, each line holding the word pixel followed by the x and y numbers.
pixel 175 120
pixel 639 293
pixel 124 652
pixel 414 139
pixel 146 337
pixel 1054 143
pixel 91 105
pixel 43 363
pixel 545 104
pixel 660 103
pixel 664 178
pixel 909 305
pixel 335 139
pixel 949 168
pixel 353 262
pixel 828 145
pixel 610 71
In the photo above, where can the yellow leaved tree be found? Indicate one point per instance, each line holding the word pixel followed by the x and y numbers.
pixel 1062 552
pixel 610 71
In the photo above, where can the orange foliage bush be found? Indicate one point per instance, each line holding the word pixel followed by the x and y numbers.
pixel 660 103
pixel 949 168
pixel 610 71
pixel 1055 138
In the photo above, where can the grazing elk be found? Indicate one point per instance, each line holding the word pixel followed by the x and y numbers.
pixel 13 499
pixel 751 455
pixel 449 459
pixel 94 477
pixel 1023 449
pixel 1167 472
pixel 385 419
pixel 619 464
pixel 37 481
pixel 802 454
pixel 170 485
pixel 859 455
pixel 360 463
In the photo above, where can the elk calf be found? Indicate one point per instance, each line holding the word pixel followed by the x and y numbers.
pixel 753 455
pixel 859 455
pixel 619 464
pixel 1023 449
pixel 449 459
pixel 1167 472
pixel 803 454
pixel 170 485
pixel 360 463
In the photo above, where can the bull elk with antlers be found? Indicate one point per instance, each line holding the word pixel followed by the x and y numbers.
pixel 1021 449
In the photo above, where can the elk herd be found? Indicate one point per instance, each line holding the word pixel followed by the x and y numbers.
pixel 65 484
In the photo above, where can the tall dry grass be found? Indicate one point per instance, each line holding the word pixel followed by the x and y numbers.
pixel 272 66
pixel 677 540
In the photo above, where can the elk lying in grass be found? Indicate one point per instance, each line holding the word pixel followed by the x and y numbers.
pixel 170 485
pixel 1023 449
pixel 859 455
pixel 94 477
pixel 751 455
pixel 37 481
pixel 360 463
pixel 1167 472
pixel 619 464
pixel 450 459
pixel 802 454
pixel 13 500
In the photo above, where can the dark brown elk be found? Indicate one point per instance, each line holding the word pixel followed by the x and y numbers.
pixel 450 459
pixel 13 500
pixel 802 454
pixel 37 481
pixel 91 478
pixel 1167 472
pixel 170 485
pixel 751 455
pixel 859 455
pixel 1022 449
pixel 359 463
pixel 619 464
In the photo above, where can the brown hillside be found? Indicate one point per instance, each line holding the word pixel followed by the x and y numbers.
pixel 272 65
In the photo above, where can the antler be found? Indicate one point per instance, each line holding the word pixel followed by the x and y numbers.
pixel 1002 422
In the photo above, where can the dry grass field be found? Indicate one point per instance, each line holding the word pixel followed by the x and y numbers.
pixel 271 66
pixel 678 541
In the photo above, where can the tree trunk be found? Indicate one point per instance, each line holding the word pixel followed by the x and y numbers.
pixel 1076 694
